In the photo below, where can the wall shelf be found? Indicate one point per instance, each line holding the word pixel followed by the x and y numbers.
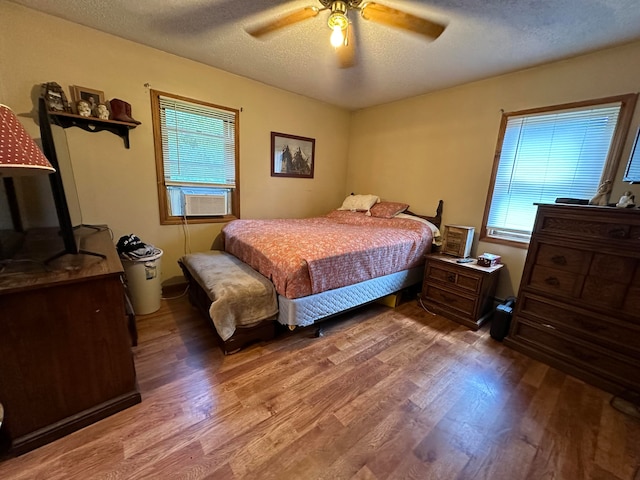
pixel 92 124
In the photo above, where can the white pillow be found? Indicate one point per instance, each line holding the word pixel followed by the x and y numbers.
pixel 360 203
pixel 437 238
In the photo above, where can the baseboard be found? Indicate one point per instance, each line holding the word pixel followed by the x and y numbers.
pixel 174 289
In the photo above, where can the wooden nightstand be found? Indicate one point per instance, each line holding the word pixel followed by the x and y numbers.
pixel 462 292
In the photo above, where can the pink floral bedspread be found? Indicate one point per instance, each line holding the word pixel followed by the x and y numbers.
pixel 312 255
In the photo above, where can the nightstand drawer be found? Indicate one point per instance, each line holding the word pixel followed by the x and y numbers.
pixel 465 280
pixel 462 292
pixel 446 297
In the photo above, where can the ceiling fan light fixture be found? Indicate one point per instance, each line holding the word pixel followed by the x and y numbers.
pixel 338 17
pixel 337 37
pixel 338 22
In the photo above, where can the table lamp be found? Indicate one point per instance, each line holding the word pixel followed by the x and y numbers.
pixel 19 154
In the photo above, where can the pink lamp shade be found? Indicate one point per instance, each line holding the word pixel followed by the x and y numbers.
pixel 19 154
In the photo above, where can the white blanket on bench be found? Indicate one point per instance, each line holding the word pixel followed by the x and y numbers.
pixel 239 294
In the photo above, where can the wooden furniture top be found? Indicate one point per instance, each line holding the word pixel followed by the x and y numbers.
pixel 29 268
pixel 454 261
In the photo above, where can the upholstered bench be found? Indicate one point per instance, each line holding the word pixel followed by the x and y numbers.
pixel 241 303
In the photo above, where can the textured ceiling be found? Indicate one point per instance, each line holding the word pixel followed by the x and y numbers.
pixel 483 38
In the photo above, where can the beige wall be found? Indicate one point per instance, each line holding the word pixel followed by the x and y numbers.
pixel 420 150
pixel 117 186
pixel 441 145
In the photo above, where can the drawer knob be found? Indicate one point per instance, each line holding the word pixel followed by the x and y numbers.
pixel 559 259
pixel 451 277
pixel 552 281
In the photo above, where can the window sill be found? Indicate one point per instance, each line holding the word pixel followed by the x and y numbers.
pixel 196 220
pixel 504 241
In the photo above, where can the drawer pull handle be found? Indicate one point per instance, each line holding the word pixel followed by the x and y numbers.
pixel 552 281
pixel 559 259
pixel 451 277
pixel 449 299
pixel 618 233
pixel 546 325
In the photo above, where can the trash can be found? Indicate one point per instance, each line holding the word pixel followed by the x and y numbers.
pixel 143 282
pixel 501 320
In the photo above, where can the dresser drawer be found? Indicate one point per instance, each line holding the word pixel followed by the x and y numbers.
pixel 592 225
pixel 598 329
pixel 557 282
pixel 463 304
pixel 563 258
pixel 604 280
pixel 585 356
pixel 466 280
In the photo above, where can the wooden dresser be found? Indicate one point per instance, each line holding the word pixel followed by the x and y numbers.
pixel 578 307
pixel 460 291
pixel 65 349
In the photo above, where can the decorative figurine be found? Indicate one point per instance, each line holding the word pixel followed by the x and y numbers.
pixel 84 108
pixel 602 197
pixel 627 200
pixel 102 112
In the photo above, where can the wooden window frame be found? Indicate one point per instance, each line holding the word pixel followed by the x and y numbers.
pixel 165 217
pixel 627 107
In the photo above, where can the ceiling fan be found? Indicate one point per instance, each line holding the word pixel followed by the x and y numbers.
pixel 338 22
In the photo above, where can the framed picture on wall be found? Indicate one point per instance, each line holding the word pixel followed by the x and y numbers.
pixel 94 97
pixel 292 156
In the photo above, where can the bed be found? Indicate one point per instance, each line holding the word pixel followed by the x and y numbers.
pixel 323 266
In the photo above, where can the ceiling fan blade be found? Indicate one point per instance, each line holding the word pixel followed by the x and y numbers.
pixel 347 52
pixel 284 21
pixel 396 18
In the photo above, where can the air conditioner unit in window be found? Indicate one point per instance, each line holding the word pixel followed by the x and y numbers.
pixel 204 205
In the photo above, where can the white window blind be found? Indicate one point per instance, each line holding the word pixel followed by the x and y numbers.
pixel 198 144
pixel 198 149
pixel 546 156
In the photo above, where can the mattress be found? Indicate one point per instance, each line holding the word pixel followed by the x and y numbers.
pixel 305 311
pixel 309 256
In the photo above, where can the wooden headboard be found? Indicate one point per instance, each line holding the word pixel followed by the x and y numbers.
pixel 436 220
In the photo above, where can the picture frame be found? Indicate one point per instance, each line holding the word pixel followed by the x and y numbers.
pixel 632 172
pixel 94 97
pixel 55 98
pixel 292 155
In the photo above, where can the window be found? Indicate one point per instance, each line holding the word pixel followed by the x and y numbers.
pixel 196 146
pixel 542 154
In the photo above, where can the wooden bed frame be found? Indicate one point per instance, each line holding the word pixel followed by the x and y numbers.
pixel 266 329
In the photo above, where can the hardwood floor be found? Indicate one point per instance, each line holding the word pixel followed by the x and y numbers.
pixel 385 393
